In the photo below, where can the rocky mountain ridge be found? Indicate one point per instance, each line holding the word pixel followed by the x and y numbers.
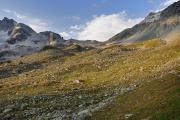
pixel 20 39
pixel 155 25
pixel 17 39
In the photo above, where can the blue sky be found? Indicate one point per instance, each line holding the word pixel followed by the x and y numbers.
pixel 81 19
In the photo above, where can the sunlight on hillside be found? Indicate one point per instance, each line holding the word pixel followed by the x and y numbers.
pixel 89 60
pixel 97 71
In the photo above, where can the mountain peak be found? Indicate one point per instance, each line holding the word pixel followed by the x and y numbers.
pixel 172 10
pixel 155 25
pixel 7 24
pixel 7 20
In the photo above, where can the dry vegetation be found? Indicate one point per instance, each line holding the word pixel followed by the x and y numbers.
pixel 66 83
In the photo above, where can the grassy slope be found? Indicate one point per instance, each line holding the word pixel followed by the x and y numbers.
pixel 156 100
pixel 53 72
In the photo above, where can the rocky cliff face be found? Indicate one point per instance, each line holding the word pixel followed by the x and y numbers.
pixel 54 38
pixel 7 24
pixel 172 10
pixel 20 32
pixel 155 25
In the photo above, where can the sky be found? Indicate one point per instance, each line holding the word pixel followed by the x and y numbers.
pixel 81 19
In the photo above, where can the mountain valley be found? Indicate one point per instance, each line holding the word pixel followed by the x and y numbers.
pixel 134 75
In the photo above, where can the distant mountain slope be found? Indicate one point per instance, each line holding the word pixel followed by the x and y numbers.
pixel 89 43
pixel 20 39
pixel 17 39
pixel 155 25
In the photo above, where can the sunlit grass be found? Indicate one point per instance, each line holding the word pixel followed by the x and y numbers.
pixel 101 70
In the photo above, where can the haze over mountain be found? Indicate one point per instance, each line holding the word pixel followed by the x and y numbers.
pixel 17 39
pixel 155 25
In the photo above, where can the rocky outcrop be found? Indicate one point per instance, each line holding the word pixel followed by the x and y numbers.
pixel 172 10
pixel 7 24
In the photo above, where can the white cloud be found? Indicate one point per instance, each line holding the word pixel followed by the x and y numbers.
pixel 65 34
pixel 20 16
pixel 104 26
pixel 74 18
pixel 168 2
pixel 6 11
pixel 36 23
pixel 165 4
pixel 77 27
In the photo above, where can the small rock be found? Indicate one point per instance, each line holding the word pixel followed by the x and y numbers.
pixel 81 105
pixel 141 69
pixel 148 118
pixel 8 116
pixel 7 110
pixel 78 81
pixel 11 106
pixel 80 97
pixel 127 116
pixel 173 72
pixel 83 114
pixel 23 106
pixel 49 114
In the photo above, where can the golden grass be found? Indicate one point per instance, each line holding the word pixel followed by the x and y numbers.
pixel 106 67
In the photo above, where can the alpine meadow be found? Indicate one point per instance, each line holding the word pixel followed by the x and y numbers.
pixel 132 75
